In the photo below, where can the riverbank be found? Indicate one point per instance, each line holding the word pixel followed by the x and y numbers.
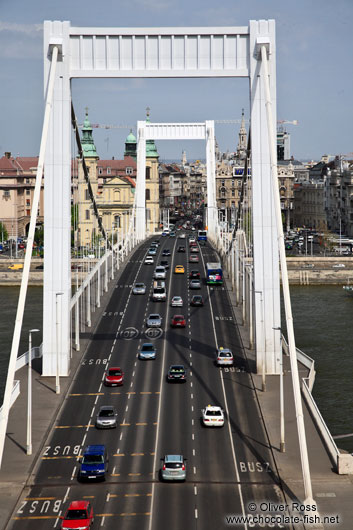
pixel 302 270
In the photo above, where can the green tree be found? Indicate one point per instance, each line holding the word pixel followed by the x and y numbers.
pixel 3 233
pixel 39 236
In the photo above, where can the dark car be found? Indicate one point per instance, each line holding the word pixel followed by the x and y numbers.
pixel 164 263
pixel 181 249
pixel 196 300
pixel 178 321
pixel 94 463
pixel 166 252
pixel 176 372
pixel 194 275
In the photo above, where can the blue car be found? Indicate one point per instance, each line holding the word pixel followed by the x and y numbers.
pixel 94 463
pixel 148 351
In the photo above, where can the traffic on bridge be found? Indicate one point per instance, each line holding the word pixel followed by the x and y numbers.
pixel 162 461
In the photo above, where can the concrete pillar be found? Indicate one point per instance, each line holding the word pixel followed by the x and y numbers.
pixel 57 211
pixel 266 257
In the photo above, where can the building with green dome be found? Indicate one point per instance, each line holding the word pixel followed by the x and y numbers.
pixel 113 183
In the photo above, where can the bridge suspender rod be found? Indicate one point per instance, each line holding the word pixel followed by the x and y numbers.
pixel 85 172
pixel 27 262
pixel 285 287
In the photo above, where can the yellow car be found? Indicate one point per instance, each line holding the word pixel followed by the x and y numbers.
pixel 16 267
pixel 179 269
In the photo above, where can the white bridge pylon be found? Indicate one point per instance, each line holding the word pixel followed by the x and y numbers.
pixel 175 131
pixel 181 52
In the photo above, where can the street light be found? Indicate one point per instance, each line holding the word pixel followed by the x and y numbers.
pixel 282 444
pixel 57 380
pixel 29 400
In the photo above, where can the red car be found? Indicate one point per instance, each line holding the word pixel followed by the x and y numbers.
pixel 178 321
pixel 78 515
pixel 114 377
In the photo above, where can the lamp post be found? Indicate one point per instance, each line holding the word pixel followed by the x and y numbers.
pixel 263 371
pixel 29 399
pixel 57 380
pixel 282 443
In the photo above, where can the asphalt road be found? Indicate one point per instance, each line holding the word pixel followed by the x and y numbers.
pixel 227 468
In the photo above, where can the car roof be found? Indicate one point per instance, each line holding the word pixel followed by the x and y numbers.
pixel 177 296
pixel 173 458
pixel 154 315
pixel 106 407
pixel 176 367
pixel 78 505
pixel 95 449
pixel 224 350
pixel 213 407
pixel 178 316
pixel 114 368
pixel 147 344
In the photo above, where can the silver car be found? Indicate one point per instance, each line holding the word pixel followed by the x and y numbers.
pixel 139 288
pixel 154 320
pixel 159 273
pixel 173 467
pixel 107 417
pixel 147 351
pixel 177 301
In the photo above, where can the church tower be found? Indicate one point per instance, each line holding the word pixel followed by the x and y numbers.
pixel 243 138
pixel 86 221
pixel 130 146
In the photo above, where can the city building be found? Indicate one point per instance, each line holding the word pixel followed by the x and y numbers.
pixel 17 182
pixel 309 205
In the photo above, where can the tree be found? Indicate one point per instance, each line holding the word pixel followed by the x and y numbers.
pixel 39 236
pixel 4 235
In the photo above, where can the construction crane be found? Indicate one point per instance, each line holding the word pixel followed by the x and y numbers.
pixel 122 126
pixel 280 124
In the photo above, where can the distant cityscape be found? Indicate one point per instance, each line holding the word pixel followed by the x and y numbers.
pixel 314 194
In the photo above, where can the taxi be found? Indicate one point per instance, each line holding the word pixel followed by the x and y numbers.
pixel 179 269
pixel 224 357
pixel 212 416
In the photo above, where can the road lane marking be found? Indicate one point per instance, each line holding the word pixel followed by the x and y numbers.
pixel 227 411
pixel 66 494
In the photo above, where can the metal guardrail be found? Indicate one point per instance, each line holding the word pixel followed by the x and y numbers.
pixel 320 424
pixel 22 360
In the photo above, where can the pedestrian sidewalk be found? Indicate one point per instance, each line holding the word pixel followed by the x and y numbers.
pixel 333 493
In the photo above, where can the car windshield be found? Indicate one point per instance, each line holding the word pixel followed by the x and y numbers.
pixel 139 285
pixel 93 459
pixel 154 317
pixel 177 369
pixel 213 413
pixel 113 371
pixel 173 465
pixel 76 514
pixel 179 318
pixel 106 413
pixel 148 347
pixel 225 354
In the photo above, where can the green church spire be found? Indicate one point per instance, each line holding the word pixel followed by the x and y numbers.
pixel 88 147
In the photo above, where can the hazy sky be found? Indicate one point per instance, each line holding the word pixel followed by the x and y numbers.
pixel 314 73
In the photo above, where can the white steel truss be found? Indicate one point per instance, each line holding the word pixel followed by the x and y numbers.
pixel 175 131
pixel 158 52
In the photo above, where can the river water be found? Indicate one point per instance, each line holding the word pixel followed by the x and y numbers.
pixel 323 328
